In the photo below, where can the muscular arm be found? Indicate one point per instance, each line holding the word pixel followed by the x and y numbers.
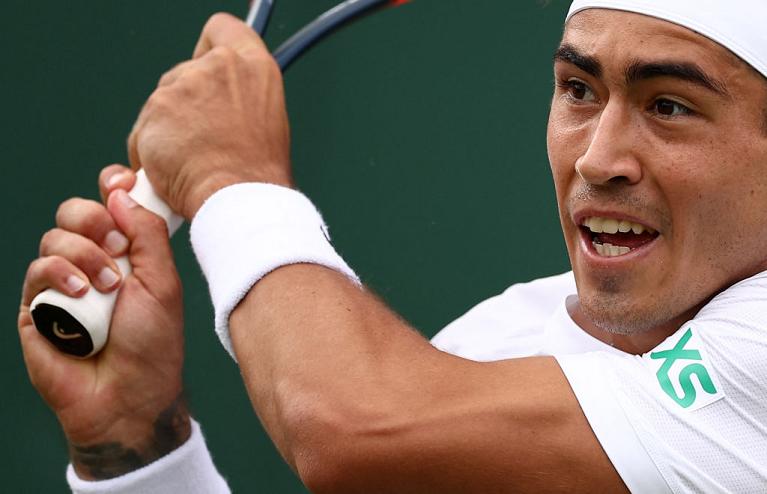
pixel 357 401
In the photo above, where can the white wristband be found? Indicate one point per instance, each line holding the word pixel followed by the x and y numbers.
pixel 245 231
pixel 188 469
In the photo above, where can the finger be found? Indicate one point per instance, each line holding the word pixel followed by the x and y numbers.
pixel 50 371
pixel 97 265
pixel 53 272
pixel 92 220
pixel 48 368
pixel 226 30
pixel 150 252
pixel 113 177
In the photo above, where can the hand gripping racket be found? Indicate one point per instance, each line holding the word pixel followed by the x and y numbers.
pixel 80 326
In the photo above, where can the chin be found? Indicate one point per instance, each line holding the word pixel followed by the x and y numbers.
pixel 622 315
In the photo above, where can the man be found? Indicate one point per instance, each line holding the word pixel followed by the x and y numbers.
pixel 650 379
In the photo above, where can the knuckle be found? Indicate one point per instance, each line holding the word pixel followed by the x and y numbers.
pixel 155 100
pixel 224 55
pixel 67 208
pixel 79 215
pixel 33 270
pixel 166 78
pixel 42 267
pixel 159 104
pixel 163 100
pixel 173 74
pixel 216 20
pixel 156 224
pixel 111 171
pixel 48 240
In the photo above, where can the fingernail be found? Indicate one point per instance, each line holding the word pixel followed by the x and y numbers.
pixel 114 179
pixel 75 283
pixel 108 278
pixel 115 242
pixel 125 199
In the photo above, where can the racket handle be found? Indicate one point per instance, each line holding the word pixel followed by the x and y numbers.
pixel 80 326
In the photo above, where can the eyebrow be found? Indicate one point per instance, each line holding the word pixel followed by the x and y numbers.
pixel 641 71
pixel 685 71
pixel 569 54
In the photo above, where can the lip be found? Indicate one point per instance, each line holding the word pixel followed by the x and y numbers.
pixel 592 257
pixel 580 216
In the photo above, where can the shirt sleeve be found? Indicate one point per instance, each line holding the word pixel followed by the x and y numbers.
pixel 689 415
pixel 611 425
pixel 188 469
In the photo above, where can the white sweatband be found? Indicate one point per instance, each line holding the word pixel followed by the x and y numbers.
pixel 738 25
pixel 188 469
pixel 245 231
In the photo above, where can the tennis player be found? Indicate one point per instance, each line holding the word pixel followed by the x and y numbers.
pixel 643 370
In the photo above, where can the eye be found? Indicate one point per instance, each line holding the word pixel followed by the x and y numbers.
pixel 669 108
pixel 577 90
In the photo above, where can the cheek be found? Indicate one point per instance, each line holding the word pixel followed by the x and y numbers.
pixel 560 161
pixel 717 202
pixel 562 158
pixel 565 142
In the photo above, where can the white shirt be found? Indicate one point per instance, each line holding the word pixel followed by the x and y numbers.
pixel 688 416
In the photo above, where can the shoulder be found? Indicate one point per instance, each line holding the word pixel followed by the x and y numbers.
pixel 703 390
pixel 732 329
pixel 519 313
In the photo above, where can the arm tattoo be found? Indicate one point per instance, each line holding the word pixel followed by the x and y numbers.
pixel 112 459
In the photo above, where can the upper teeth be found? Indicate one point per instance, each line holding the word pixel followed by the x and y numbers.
pixel 610 225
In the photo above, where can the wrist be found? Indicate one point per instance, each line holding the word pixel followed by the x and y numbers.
pixel 131 445
pixel 196 196
pixel 247 231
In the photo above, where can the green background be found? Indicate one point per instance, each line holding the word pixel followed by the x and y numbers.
pixel 419 132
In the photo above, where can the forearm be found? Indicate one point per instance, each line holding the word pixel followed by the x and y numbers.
pixel 316 350
pixel 356 401
pixel 353 398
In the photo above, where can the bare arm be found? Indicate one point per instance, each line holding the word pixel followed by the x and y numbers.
pixel 357 401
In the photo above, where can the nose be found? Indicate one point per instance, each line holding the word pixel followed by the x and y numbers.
pixel 611 156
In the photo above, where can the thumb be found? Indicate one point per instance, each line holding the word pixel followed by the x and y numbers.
pixel 150 253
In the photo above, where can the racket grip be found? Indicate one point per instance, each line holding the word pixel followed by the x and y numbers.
pixel 80 326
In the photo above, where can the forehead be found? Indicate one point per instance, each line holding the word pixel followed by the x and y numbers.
pixel 612 35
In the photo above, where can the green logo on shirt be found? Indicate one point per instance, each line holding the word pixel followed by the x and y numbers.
pixel 679 352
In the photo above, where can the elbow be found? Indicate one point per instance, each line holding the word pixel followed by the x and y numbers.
pixel 323 474
pixel 337 445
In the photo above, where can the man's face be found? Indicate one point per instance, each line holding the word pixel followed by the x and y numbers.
pixel 659 131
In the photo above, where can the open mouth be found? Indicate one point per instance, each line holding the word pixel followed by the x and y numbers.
pixel 614 238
